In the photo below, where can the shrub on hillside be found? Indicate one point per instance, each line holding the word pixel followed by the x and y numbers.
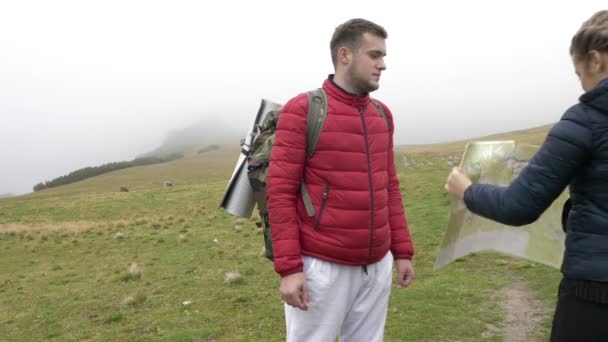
pixel 88 172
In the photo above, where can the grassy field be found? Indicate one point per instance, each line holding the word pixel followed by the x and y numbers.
pixel 86 262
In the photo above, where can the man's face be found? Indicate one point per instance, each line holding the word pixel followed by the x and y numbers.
pixel 367 64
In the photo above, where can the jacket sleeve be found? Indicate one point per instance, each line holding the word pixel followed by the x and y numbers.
pixel 565 150
pixel 286 166
pixel 402 246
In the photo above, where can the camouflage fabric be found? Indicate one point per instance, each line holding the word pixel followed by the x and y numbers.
pixel 257 171
pixel 259 158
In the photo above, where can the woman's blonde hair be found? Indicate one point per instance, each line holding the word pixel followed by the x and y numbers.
pixel 593 35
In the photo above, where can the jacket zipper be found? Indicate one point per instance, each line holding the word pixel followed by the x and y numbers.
pixel 371 184
pixel 323 203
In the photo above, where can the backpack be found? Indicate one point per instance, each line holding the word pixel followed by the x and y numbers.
pixel 258 157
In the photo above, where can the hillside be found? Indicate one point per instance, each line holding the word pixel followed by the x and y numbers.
pixel 192 169
pixel 534 136
pixel 88 262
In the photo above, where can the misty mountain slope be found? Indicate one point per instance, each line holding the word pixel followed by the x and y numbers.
pixel 202 137
pixel 208 132
pixel 192 169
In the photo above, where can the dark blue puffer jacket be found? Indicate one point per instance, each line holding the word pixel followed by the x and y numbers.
pixel 575 153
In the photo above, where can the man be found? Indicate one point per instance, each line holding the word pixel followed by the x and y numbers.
pixel 335 266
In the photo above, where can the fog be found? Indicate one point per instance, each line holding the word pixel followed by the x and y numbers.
pixel 84 83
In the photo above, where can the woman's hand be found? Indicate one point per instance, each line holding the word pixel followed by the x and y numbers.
pixel 457 183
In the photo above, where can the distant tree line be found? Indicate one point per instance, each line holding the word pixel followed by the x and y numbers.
pixel 88 172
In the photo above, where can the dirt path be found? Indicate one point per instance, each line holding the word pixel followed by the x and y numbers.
pixel 523 314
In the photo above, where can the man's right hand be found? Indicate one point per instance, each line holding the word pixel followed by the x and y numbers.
pixel 294 290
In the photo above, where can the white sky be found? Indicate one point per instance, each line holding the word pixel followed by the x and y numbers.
pixel 84 83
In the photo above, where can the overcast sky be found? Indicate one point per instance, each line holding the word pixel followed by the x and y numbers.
pixel 84 83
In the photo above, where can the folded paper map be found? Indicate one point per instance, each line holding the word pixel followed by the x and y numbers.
pixel 498 163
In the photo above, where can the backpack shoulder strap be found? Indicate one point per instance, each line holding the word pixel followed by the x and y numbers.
pixel 382 112
pixel 317 112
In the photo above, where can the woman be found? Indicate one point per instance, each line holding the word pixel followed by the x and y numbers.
pixel 575 154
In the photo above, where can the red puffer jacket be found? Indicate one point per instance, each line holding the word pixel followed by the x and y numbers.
pixel 351 180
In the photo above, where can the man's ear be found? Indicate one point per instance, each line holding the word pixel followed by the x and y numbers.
pixel 344 56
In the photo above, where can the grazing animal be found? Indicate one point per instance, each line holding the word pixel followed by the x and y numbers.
pixel 168 184
pixel 124 189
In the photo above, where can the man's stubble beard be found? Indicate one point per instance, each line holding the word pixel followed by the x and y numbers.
pixel 361 86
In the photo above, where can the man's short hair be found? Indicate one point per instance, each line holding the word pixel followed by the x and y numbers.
pixel 349 34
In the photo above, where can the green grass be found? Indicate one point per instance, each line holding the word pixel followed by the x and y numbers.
pixel 64 270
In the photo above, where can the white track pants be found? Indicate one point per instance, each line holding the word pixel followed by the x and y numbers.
pixel 344 301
